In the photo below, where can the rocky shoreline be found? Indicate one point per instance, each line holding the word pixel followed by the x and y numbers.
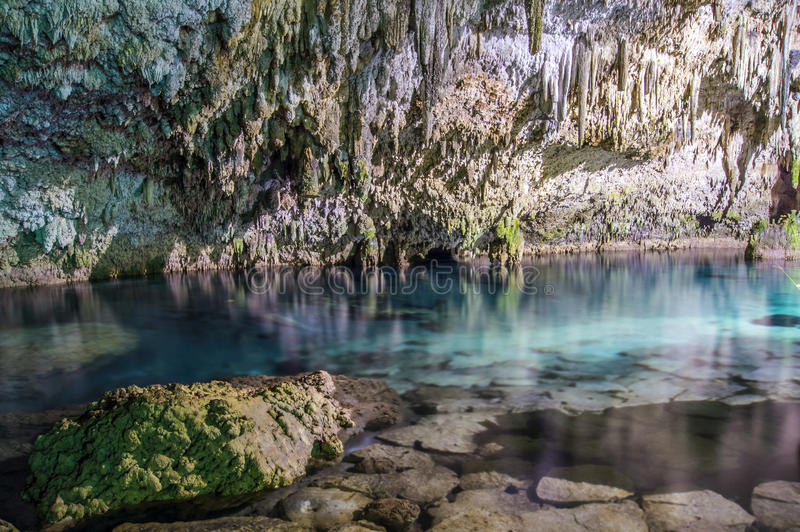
pixel 446 458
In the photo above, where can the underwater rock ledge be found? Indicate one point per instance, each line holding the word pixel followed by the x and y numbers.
pixel 176 442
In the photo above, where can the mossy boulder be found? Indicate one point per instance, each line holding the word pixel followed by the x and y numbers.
pixel 175 442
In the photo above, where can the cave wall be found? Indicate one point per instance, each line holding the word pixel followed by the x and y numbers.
pixel 139 136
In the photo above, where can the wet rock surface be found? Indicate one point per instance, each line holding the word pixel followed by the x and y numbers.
pixel 395 514
pixel 273 428
pixel 776 505
pixel 501 473
pixel 698 509
pixel 559 490
pixel 323 508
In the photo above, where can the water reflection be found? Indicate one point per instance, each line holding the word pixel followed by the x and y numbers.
pixel 623 328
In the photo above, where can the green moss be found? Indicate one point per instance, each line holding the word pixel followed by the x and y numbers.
pixel 510 235
pixel 327 450
pixel 238 246
pixel 175 442
pixel 795 171
pixel 791 225
pixel 148 192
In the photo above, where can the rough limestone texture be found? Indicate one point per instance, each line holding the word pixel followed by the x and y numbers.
pixel 591 517
pixel 778 240
pixel 699 509
pixel 559 490
pixel 323 508
pixel 161 443
pixel 776 505
pixel 142 136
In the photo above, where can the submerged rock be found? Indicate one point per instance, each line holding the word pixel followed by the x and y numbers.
pixel 585 483
pixel 422 486
pixel 700 509
pixel 28 354
pixel 388 458
pixel 161 443
pixel 450 433
pixel 323 508
pixel 777 505
pixel 559 490
pixel 490 479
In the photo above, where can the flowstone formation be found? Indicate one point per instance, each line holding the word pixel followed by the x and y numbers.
pixel 170 443
pixel 145 136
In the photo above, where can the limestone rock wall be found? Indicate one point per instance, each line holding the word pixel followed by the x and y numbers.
pixel 140 136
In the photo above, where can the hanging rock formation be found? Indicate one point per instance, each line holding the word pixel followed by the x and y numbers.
pixel 146 136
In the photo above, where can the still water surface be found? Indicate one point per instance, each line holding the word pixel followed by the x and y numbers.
pixel 610 322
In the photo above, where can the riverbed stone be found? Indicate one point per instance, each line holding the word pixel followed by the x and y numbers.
pixel 496 500
pixel 417 485
pixel 673 511
pixel 593 474
pixel 450 433
pixel 776 505
pixel 490 479
pixel 393 513
pixel 392 457
pixel 323 508
pixel 559 490
pixel 175 442
pixel 222 524
pixel 626 516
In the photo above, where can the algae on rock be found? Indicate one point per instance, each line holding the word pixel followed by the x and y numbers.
pixel 161 443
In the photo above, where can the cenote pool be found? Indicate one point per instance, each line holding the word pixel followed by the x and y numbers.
pixel 618 329
pixel 679 371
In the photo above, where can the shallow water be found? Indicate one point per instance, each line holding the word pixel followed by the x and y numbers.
pixel 632 327
pixel 696 352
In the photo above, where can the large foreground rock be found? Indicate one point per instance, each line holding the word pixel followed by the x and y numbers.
pixel 175 442
pixel 777 505
pixel 695 510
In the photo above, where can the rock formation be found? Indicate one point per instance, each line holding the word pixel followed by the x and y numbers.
pixel 149 136
pixel 163 443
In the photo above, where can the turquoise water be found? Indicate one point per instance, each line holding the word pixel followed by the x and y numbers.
pixel 598 331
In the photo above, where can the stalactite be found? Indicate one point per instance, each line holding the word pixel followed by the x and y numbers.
pixel 449 16
pixel 788 28
pixel 583 96
pixel 693 100
pixel 622 64
pixel 565 81
pixel 535 11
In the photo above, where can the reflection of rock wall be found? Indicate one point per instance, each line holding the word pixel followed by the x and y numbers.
pixel 143 136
